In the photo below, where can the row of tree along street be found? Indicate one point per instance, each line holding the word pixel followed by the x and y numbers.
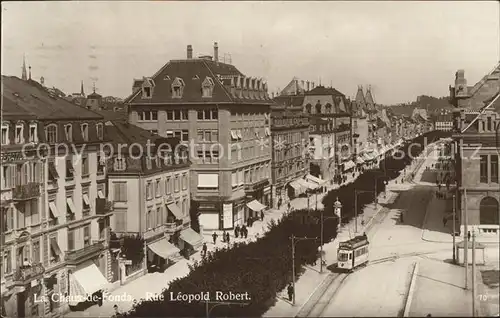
pixel 263 268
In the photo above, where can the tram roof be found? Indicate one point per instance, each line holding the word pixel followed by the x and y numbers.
pixel 354 242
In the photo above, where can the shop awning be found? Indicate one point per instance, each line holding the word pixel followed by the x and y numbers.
pixel 175 211
pixel 349 165
pixel 100 195
pixel 307 185
pixel 71 206
pixel 316 180
pixel 86 199
pixel 359 160
pixel 191 237
pixel 86 281
pixel 256 206
pixel 296 186
pixel 163 248
pixel 234 135
pixel 367 157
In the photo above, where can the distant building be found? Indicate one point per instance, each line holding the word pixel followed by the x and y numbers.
pixel 476 128
pixel 443 122
pixel 227 116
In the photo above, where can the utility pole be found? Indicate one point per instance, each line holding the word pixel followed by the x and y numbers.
pixel 316 200
pixel 466 243
pixel 473 273
pixel 356 211
pixel 293 269
pixel 454 203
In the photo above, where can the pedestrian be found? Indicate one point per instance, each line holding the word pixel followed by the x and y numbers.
pixel 290 292
pixel 236 231
pixel 249 220
pixel 224 236
pixel 214 236
pixel 401 217
pixel 227 238
pixel 244 231
pixel 117 312
pixel 289 206
pixel 279 203
pixel 204 249
pixel 262 215
pixel 468 235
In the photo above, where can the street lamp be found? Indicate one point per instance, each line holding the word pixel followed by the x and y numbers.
pixel 295 240
pixel 356 192
pixel 337 206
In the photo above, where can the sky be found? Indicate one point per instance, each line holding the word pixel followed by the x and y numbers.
pixel 402 49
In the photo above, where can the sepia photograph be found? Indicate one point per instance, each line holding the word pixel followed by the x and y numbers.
pixel 250 159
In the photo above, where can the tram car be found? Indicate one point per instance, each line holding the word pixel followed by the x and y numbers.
pixel 353 253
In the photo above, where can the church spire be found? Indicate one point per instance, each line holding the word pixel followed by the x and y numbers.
pixel 24 75
pixel 82 92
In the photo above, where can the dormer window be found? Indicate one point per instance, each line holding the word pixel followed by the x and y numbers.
pixel 33 133
pixel 51 134
pixel 147 88
pixel 19 133
pixel 68 131
pixel 207 87
pixel 5 134
pixel 178 88
pixel 166 78
pixel 85 132
pixel 100 131
pixel 119 164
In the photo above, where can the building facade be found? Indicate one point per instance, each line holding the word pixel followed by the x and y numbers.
pixel 226 117
pixel 476 134
pixel 68 239
pixel 150 194
pixel 289 140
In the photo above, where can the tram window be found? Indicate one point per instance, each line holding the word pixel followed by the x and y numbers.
pixel 350 255
pixel 342 257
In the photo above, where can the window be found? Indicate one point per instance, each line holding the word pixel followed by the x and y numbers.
pixel 170 134
pixel 85 132
pixel 483 169
pixel 120 191
pixel 19 134
pixel 70 209
pixel 176 184
pixel 184 181
pixel 146 92
pixel 86 236
pixel 494 168
pixel 120 221
pixel 148 116
pixel 85 167
pixel 51 134
pixel 157 188
pixel 8 219
pixel 35 259
pixel 85 200
pixel 159 216
pixel 234 179
pixel 149 190
pixel 184 114
pixel 55 251
pixel 200 115
pixel 215 135
pixel 35 216
pixel 71 240
pixel 68 132
pixel 200 135
pixel 168 188
pixel 69 169
pixel 207 136
pixel 100 131
pixel 7 261
pixel 149 219
pixel 170 115
pixel 178 87
pixel 119 164
pixel 488 124
pixel 185 135
pixel 177 134
pixel 208 114
pixel 5 135
pixel 207 87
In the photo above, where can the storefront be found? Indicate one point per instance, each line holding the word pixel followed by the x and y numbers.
pixel 193 240
pixel 161 254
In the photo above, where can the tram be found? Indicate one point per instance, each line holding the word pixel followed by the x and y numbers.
pixel 353 253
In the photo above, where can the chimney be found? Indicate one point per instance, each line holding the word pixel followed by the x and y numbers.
pixel 308 85
pixel 189 52
pixel 216 52
pixel 312 85
pixel 303 86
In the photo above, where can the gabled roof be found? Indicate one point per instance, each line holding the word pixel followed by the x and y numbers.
pixel 369 98
pixel 12 111
pixel 191 71
pixel 293 88
pixel 360 97
pixel 40 102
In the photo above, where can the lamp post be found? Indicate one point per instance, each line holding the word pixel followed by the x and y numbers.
pixel 454 231
pixel 356 192
pixel 337 206
pixel 295 240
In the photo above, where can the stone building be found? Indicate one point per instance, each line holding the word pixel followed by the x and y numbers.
pixel 476 134
pixel 57 221
pixel 150 194
pixel 289 140
pixel 226 117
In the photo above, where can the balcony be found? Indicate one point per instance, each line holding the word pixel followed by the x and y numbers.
pixel 154 232
pixel 26 191
pixel 173 226
pixel 77 256
pixel 103 206
pixel 255 185
pixel 24 275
